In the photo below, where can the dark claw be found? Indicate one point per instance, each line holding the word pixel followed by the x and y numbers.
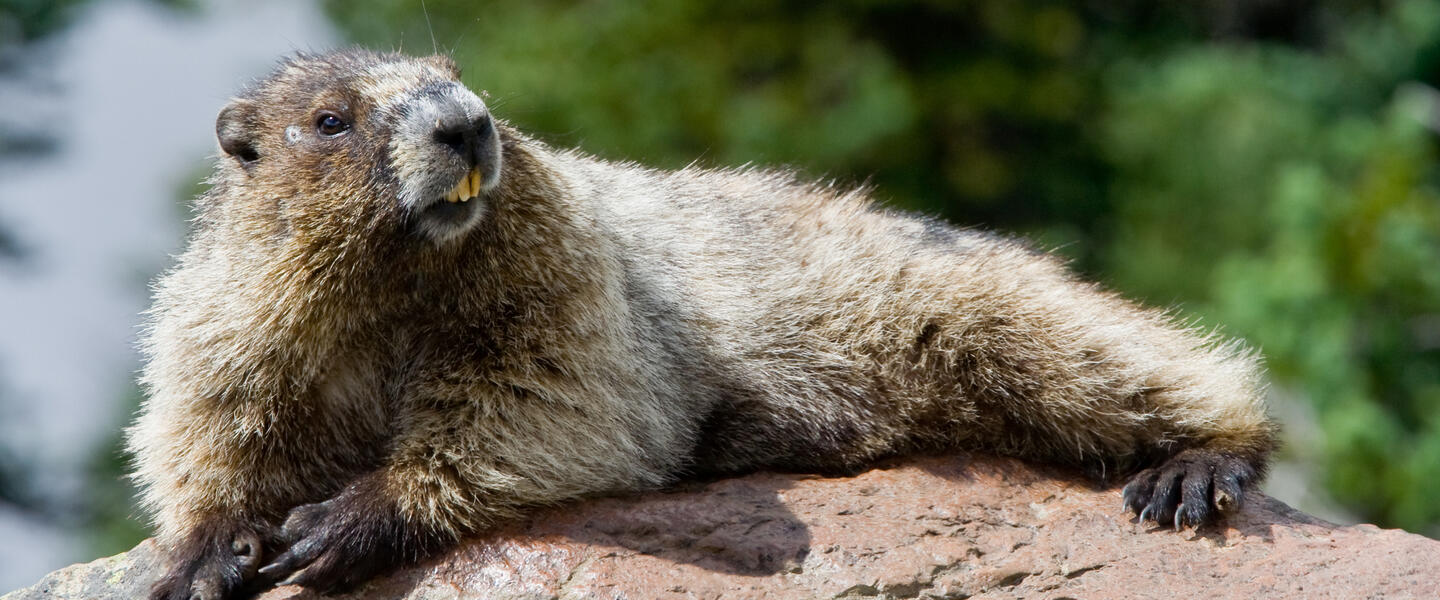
pixel 1194 487
pixel 307 541
pixel 324 574
pixel 1190 514
pixel 1137 493
pixel 1167 494
pixel 282 567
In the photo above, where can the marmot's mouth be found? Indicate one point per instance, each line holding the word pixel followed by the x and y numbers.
pixel 451 217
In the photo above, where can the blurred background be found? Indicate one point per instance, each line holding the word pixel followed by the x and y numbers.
pixel 1264 167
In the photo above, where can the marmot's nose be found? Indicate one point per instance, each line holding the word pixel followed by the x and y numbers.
pixel 466 136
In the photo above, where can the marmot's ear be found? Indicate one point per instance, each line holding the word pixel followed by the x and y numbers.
pixel 446 64
pixel 235 129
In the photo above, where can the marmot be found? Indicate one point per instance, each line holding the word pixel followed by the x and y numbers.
pixel 399 321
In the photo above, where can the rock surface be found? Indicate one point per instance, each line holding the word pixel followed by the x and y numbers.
pixel 930 527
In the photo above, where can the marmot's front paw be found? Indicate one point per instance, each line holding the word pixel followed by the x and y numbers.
pixel 211 564
pixel 341 542
pixel 1194 487
pixel 323 553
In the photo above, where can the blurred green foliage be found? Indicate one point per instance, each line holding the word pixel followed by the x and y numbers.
pixel 24 21
pixel 1266 166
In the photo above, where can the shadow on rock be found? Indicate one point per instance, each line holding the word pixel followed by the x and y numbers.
pixel 735 526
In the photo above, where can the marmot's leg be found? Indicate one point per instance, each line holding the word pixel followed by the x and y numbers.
pixel 393 516
pixel 1202 408
pixel 1057 370
pixel 455 470
pixel 215 521
pixel 220 490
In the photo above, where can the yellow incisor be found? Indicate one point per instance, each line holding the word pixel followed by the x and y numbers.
pixel 467 188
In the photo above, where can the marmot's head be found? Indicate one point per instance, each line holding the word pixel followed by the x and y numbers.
pixel 354 141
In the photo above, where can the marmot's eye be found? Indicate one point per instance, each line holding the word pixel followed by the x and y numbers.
pixel 331 124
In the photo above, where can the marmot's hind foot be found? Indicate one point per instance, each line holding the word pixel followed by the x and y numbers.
pixel 1194 487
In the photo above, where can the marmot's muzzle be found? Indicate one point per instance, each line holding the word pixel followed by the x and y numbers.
pixel 446 151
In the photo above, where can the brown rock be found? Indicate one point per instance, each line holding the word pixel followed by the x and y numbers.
pixel 932 527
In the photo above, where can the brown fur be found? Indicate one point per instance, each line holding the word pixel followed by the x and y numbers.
pixel 602 327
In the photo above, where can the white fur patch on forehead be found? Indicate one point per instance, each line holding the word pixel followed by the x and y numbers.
pixel 389 82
